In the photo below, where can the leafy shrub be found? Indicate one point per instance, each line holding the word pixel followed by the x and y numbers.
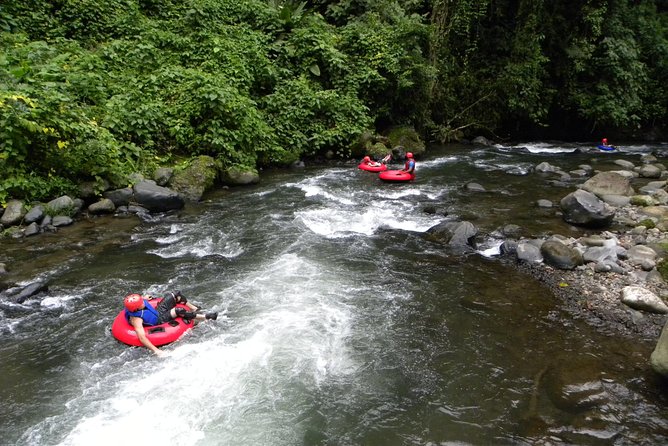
pixel 309 120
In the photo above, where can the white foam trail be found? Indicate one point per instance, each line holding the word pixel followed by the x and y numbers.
pixel 59 301
pixel 436 162
pixel 218 387
pixel 180 243
pixel 315 191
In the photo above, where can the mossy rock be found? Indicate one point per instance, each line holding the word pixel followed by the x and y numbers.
pixel 369 143
pixel 240 176
pixel 642 200
pixel 407 138
pixel 662 268
pixel 198 177
pixel 378 150
pixel 363 142
pixel 648 223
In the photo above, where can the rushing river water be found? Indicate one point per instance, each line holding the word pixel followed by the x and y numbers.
pixel 341 324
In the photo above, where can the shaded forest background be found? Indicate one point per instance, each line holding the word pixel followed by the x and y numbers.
pixel 95 90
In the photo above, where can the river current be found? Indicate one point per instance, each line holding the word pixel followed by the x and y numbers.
pixel 340 322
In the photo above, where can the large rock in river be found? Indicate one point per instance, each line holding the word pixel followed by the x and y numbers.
pixel 156 198
pixel 575 383
pixel 237 176
pixel 608 183
pixel 454 233
pixel 659 357
pixel 559 255
pixel 582 208
pixel 195 179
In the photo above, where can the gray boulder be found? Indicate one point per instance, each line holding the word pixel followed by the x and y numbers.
pixel 32 229
pixel 120 197
pixel 475 187
pixel 640 298
pixel 454 233
pixel 61 206
pixel 30 291
pixel 659 357
pixel 508 247
pixel 650 171
pixel 582 208
pixel 559 255
pixel 61 220
pixel 35 214
pixel 643 256
pixel 608 183
pixel 546 167
pixel 624 164
pixel 103 206
pixel 235 176
pixel 14 213
pixel 529 251
pixel 481 140
pixel 156 198
pixel 162 175
pixel 574 384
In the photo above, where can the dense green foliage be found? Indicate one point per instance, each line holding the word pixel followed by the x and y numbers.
pixel 96 90
pixel 574 69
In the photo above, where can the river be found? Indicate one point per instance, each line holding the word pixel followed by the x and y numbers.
pixel 340 323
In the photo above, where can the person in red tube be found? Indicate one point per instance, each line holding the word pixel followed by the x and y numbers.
pixel 369 162
pixel 409 166
pixel 140 313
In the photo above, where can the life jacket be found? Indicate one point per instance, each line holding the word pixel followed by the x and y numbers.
pixel 148 314
pixel 410 165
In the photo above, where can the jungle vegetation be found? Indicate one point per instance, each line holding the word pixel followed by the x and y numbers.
pixel 94 90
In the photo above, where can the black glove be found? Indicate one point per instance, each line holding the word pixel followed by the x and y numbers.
pixel 180 298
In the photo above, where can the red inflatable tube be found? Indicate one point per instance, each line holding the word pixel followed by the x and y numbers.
pixel 393 176
pixel 365 166
pixel 158 334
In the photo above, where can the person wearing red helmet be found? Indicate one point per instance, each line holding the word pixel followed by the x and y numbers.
pixel 367 160
pixel 140 313
pixel 410 163
pixel 605 146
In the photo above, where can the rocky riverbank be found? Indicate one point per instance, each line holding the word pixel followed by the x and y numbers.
pixel 596 299
pixel 614 278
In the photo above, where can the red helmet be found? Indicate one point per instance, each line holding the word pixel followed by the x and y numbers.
pixel 604 140
pixel 133 302
pixel 367 159
pixel 409 155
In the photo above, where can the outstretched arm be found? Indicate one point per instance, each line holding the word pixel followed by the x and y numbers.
pixel 137 324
